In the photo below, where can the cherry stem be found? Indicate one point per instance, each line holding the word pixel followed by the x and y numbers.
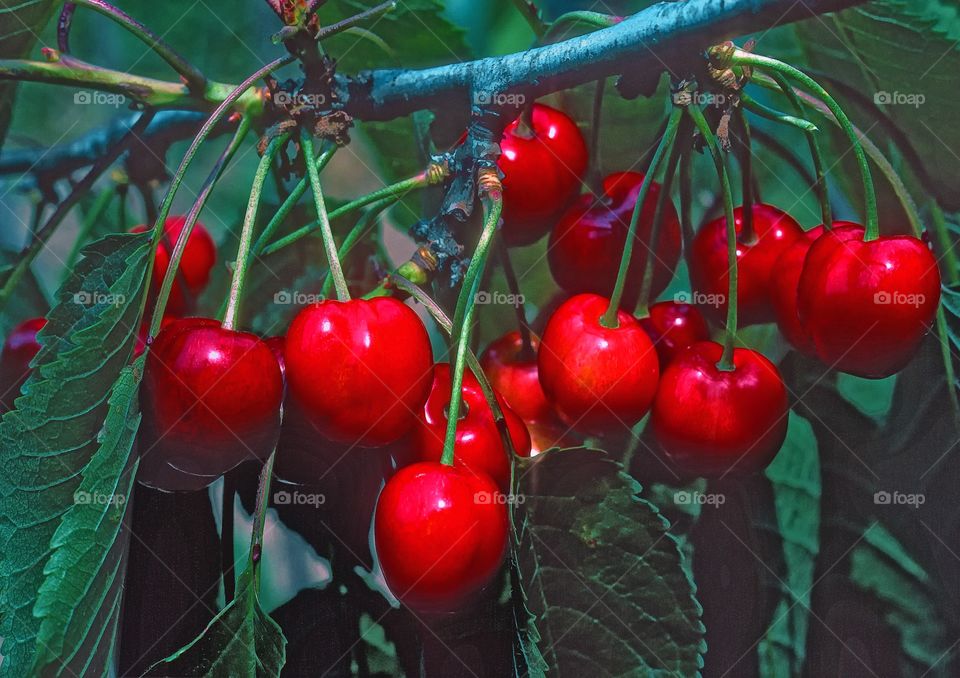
pixel 646 286
pixel 944 241
pixel 336 270
pixel 205 130
pixel 242 264
pixel 580 18
pixel 195 80
pixel 532 15
pixel 609 318
pixel 726 359
pixel 526 348
pixel 227 558
pixel 764 111
pixel 595 174
pixel 433 175
pixel 444 322
pixel 366 222
pixel 686 199
pixel 260 517
pixel 745 155
pixel 100 205
pixel 872 231
pixel 463 315
pixel 820 186
pixel 289 203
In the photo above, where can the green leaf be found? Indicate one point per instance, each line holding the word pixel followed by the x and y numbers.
pixel 527 638
pixel 20 26
pixel 602 572
pixel 47 441
pixel 880 565
pixel 79 601
pixel 242 640
pixel 795 477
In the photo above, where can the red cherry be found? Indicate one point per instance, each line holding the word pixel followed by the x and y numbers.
pixel 866 306
pixel 19 349
pixel 775 231
pixel 210 398
pixel 198 260
pixel 672 327
pixel 712 422
pixel 587 243
pixel 361 369
pixel 440 533
pixel 542 169
pixel 517 378
pixel 784 283
pixel 478 446
pixel 597 378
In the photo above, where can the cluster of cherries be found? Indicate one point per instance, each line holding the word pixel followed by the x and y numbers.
pixel 212 396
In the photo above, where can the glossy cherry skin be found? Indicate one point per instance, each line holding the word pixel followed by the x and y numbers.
pixel 210 398
pixel 19 348
pixel 516 378
pixel 866 306
pixel 587 243
pixel 478 447
pixel 361 369
pixel 542 171
pixel 774 231
pixel 441 535
pixel 198 260
pixel 598 379
pixel 711 422
pixel 672 327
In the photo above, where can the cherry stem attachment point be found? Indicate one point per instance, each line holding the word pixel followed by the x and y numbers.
pixel 242 264
pixel 609 318
pixel 726 359
pixel 336 270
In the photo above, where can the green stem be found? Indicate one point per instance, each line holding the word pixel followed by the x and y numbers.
pixel 826 211
pixel 289 203
pixel 366 221
pixel 581 18
pixel 764 111
pixel 945 243
pixel 246 233
pixel 686 198
pixel 395 191
pixel 343 293
pixel 462 317
pixel 99 206
pixel 530 12
pixel 195 79
pixel 872 231
pixel 609 319
pixel 595 173
pixel 726 360
pixel 176 254
pixel 944 337
pixel 260 517
pixel 745 153
pixel 353 21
